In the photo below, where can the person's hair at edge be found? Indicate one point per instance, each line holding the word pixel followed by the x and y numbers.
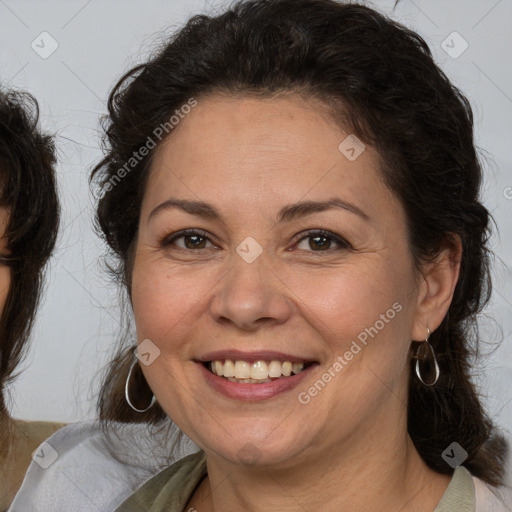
pixel 382 84
pixel 29 193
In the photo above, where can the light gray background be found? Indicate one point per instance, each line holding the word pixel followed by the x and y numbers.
pixel 98 41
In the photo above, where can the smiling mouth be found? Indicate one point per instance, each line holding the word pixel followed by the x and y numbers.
pixel 257 372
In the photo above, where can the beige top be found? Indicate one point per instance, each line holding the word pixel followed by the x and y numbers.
pixel 171 489
pixel 26 437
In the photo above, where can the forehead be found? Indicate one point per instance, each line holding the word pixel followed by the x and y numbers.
pixel 275 149
pixel 279 123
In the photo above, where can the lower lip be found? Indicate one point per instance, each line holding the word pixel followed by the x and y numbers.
pixel 254 392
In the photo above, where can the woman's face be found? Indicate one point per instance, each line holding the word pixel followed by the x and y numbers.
pixel 256 281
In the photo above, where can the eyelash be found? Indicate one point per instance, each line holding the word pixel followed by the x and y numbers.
pixel 342 243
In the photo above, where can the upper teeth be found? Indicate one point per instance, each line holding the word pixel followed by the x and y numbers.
pixel 259 370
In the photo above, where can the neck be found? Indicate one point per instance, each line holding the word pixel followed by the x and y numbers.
pixel 386 474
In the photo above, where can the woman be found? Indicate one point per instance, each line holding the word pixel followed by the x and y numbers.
pixel 29 216
pixel 291 193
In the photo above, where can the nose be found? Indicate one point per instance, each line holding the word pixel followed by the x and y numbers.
pixel 251 295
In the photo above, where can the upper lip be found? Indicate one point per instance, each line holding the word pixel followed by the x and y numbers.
pixel 251 357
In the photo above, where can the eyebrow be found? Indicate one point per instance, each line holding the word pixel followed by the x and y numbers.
pixel 286 214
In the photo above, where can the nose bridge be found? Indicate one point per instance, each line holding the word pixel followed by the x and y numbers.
pixel 250 292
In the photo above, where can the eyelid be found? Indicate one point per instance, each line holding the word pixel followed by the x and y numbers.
pixel 169 239
pixel 342 242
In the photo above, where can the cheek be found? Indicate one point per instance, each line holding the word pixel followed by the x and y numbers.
pixel 164 299
pixel 350 298
pixel 364 320
pixel 363 314
pixel 5 283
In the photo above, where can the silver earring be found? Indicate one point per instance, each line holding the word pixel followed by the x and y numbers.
pixel 127 395
pixel 422 355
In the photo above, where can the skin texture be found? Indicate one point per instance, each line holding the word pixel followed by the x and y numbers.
pixel 249 158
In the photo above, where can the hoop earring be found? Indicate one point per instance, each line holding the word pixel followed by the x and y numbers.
pixel 127 395
pixel 423 357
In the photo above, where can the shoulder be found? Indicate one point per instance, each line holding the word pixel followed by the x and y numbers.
pixel 37 429
pixel 82 469
pixel 170 489
pixel 489 499
pixel 21 439
pixel 467 493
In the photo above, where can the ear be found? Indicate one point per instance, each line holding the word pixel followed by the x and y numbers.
pixel 437 284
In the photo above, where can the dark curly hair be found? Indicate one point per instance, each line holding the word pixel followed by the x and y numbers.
pixel 28 191
pixel 381 82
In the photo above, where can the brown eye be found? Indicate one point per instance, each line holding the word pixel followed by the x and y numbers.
pixel 319 241
pixel 192 239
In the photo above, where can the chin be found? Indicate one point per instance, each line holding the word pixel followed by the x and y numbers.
pixel 253 450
